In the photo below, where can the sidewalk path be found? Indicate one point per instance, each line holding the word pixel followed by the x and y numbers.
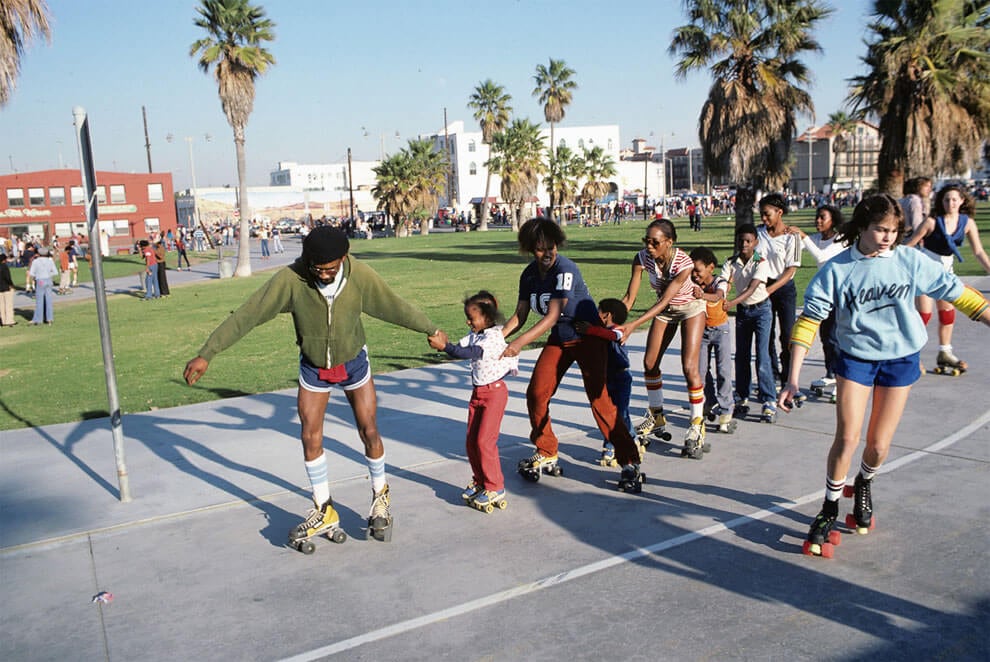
pixel 704 564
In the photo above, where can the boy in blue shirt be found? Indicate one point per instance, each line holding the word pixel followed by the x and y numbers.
pixel 872 288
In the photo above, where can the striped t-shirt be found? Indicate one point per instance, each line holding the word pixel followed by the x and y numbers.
pixel 660 279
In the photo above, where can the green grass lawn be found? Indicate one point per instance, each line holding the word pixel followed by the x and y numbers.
pixel 55 374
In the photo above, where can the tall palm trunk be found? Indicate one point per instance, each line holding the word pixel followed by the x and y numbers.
pixel 244 242
pixel 483 222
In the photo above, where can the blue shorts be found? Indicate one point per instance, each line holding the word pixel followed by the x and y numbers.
pixel 890 373
pixel 358 373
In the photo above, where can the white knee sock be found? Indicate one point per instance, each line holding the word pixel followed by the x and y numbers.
pixel 317 472
pixel 376 468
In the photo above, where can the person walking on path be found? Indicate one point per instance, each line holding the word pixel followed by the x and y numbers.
pixel 43 271
pixel 150 271
pixel 326 290
pixel 871 287
pixel 552 286
pixel 180 249
pixel 489 396
pixel 6 294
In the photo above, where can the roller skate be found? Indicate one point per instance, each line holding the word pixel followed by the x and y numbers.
pixel 694 443
pixel 824 388
pixel 823 538
pixel 769 413
pixel 488 500
pixel 533 467
pixel 723 419
pixel 861 519
pixel 608 456
pixel 380 519
pixel 322 520
pixel 741 410
pixel 654 423
pixel 631 479
pixel 471 491
pixel 949 364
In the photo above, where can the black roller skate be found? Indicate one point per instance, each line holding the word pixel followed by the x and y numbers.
pixel 861 519
pixel 323 520
pixel 534 466
pixel 380 519
pixel 694 442
pixel 823 538
pixel 654 423
pixel 631 479
pixel 949 364
pixel 741 409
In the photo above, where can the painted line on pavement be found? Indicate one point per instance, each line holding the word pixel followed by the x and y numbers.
pixel 604 564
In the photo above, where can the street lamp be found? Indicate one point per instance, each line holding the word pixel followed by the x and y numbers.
pixel 192 172
pixel 811 145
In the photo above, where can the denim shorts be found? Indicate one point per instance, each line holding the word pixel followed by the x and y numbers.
pixel 903 371
pixel 358 374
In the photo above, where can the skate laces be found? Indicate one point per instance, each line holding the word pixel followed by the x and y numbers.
pixel 379 506
pixel 863 499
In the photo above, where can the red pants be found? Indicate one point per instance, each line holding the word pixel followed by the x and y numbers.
pixel 591 354
pixel 485 411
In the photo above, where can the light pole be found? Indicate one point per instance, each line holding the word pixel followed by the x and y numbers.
pixel 811 145
pixel 192 173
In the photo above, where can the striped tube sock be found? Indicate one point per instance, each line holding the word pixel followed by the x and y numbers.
pixel 376 468
pixel 696 396
pixel 654 390
pixel 833 488
pixel 317 472
pixel 867 472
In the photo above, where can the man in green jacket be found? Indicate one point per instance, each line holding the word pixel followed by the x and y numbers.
pixel 326 290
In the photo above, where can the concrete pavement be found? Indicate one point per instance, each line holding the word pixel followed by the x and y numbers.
pixel 704 564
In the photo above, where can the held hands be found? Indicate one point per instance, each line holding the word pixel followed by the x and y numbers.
pixel 785 401
pixel 697 292
pixel 195 369
pixel 511 350
pixel 438 340
pixel 581 326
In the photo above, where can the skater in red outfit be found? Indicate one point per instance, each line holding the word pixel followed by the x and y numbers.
pixel 871 287
pixel 484 347
pixel 552 285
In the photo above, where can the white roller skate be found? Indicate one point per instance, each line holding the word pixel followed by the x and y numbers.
pixel 949 364
pixel 488 500
pixel 654 423
pixel 537 464
pixel 380 519
pixel 322 520
pixel 694 442
pixel 824 388
pixel 608 456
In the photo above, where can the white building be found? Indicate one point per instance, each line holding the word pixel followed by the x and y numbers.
pixel 826 160
pixel 331 179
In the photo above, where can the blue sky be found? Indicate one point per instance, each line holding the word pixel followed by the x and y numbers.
pixel 387 66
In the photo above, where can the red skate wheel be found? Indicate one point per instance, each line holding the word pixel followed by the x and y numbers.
pixel 873 522
pixel 828 551
pixel 851 522
pixel 848 491
pixel 806 548
pixel 835 538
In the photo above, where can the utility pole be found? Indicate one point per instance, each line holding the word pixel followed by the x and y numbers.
pixel 350 182
pixel 147 141
pixel 446 156
pixel 811 145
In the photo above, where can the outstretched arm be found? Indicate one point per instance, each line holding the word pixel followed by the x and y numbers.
pixel 195 369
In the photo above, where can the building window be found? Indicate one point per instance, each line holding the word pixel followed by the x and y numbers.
pixel 69 229
pixel 36 197
pixel 15 197
pixel 117 196
pixel 151 225
pixel 115 228
pixel 101 195
pixel 56 196
pixel 473 168
pixel 581 143
pixel 562 143
pixel 155 193
pixel 76 192
pixel 471 146
pixel 610 144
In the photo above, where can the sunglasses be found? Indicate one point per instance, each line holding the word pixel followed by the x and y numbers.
pixel 653 243
pixel 319 271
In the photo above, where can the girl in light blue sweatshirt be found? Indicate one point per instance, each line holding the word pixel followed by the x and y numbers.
pixel 871 287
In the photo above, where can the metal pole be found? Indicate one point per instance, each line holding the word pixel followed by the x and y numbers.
pixel 192 173
pixel 646 179
pixel 350 182
pixel 811 143
pixel 147 141
pixel 89 188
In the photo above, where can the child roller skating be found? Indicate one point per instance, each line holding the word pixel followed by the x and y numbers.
pixel 874 263
pixel 715 342
pixel 484 347
pixel 380 518
pixel 322 520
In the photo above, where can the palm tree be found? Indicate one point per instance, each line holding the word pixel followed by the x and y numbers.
pixel 428 174
pixel 392 187
pixel 20 22
pixel 928 82
pixel 598 169
pixel 555 90
pixel 518 161
pixel 749 119
pixel 842 125
pixel 235 32
pixel 565 169
pixel 490 104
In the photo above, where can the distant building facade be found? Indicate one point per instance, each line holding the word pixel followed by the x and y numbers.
pixel 49 203
pixel 827 161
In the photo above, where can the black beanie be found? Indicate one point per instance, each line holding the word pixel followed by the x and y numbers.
pixel 325 244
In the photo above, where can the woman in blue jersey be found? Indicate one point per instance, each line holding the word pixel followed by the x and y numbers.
pixel 941 235
pixel 871 287
pixel 552 286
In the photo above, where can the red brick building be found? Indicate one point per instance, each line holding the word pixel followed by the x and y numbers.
pixel 51 203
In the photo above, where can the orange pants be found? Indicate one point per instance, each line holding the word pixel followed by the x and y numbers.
pixel 591 354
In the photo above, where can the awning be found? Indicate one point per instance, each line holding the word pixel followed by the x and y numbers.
pixel 479 200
